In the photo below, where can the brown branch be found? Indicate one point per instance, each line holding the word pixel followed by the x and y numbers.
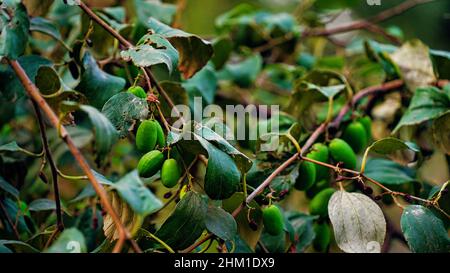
pixel 366 24
pixel 53 169
pixel 36 96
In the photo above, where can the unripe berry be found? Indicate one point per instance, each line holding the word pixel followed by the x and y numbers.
pixel 306 176
pixel 319 204
pixel 355 135
pixel 170 173
pixel 146 135
pixel 273 220
pixel 138 92
pixel 150 163
pixel 342 152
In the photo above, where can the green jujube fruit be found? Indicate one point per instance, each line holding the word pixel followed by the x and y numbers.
pixel 319 204
pixel 323 237
pixel 319 152
pixel 273 220
pixel 342 152
pixel 306 176
pixel 150 163
pixel 160 138
pixel 170 173
pixel 367 123
pixel 138 92
pixel 146 135
pixel 356 136
pixel 317 187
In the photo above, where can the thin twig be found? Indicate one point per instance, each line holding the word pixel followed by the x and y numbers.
pixel 366 24
pixel 53 169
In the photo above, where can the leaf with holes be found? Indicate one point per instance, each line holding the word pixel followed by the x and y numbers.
pixel 193 51
pixel 124 110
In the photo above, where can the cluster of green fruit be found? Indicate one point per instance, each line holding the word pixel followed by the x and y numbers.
pixel 151 141
pixel 315 179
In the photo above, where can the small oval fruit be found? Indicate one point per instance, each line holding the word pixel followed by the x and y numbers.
pixel 342 152
pixel 319 204
pixel 273 220
pixel 317 187
pixel 356 136
pixel 367 123
pixel 319 152
pixel 146 136
pixel 170 173
pixel 306 176
pixel 160 138
pixel 323 237
pixel 150 163
pixel 138 92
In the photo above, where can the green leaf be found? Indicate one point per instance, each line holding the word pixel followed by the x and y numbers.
pixel 413 59
pixel 14 31
pixel 315 87
pixel 427 103
pixel 152 49
pixel 105 133
pixel 220 223
pixel 70 241
pixel 134 192
pixel 7 187
pixel 222 176
pixel 185 225
pixel 10 86
pixel 47 80
pixel 97 85
pixel 274 243
pixel 45 26
pixel 41 205
pixel 388 172
pixel 303 227
pixel 223 46
pixel 177 94
pixel 18 246
pixel 193 51
pixel 10 147
pixel 242 161
pixel 123 110
pixel 243 73
pixel 239 245
pixel 146 9
pixel 424 232
pixel 440 129
pixel 358 222
pixel 203 84
pixel 15 212
pixel 225 163
pixel 390 145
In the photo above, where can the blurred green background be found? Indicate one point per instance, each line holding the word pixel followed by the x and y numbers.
pixel 429 22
